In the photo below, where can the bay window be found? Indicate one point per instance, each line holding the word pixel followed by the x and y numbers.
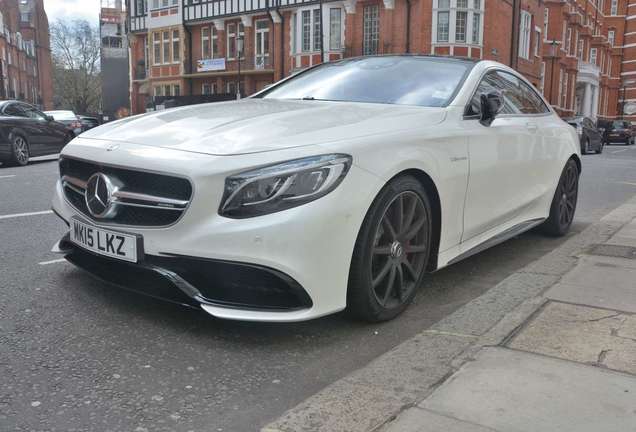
pixel 457 21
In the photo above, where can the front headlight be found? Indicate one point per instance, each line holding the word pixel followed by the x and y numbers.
pixel 283 185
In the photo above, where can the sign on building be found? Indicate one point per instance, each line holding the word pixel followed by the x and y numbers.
pixel 630 108
pixel 209 65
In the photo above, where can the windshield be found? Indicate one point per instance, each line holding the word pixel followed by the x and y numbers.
pixel 619 125
pixel 402 80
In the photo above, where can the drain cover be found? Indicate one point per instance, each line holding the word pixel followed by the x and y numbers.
pixel 617 251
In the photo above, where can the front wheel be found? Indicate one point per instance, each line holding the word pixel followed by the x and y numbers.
pixel 391 253
pixel 601 146
pixel 564 202
pixel 585 146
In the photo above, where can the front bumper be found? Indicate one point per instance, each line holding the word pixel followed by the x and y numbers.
pixel 287 266
pixel 620 138
pixel 196 282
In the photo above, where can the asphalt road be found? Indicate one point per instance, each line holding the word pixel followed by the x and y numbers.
pixel 75 354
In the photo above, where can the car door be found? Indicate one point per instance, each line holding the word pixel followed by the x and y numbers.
pixel 27 126
pixel 505 157
pixel 54 134
pixel 590 131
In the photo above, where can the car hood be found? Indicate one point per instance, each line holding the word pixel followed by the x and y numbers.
pixel 259 125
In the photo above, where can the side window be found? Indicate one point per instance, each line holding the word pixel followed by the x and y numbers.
pixel 519 97
pixel 487 85
pixel 34 113
pixel 15 110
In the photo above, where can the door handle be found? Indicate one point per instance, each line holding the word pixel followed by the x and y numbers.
pixel 532 127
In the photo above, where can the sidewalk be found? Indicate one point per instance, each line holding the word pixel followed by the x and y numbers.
pixel 571 366
pixel 550 348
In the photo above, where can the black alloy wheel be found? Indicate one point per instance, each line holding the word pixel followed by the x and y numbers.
pixel 19 151
pixel 392 251
pixel 564 202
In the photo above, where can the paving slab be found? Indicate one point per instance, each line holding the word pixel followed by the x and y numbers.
pixel 625 236
pixel 365 399
pixel 514 391
pixel 601 283
pixel 420 420
pixel 588 335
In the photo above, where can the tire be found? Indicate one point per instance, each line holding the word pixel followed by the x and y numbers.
pixel 601 146
pixel 564 202
pixel 585 146
pixel 19 151
pixel 391 252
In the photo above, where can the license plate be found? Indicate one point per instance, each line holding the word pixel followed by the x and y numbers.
pixel 101 241
pixel 614 135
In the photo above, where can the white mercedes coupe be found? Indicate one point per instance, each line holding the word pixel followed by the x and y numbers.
pixel 337 188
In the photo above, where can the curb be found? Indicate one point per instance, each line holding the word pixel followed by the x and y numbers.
pixel 369 398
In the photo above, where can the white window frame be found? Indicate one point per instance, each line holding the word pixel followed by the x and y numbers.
pixel 372 37
pixel 163 4
pixel 206 40
pixel 593 55
pixel 157 44
pixel 296 29
pixel 258 64
pixel 237 34
pixel 176 40
pixel 546 22
pixel 335 30
pixel 538 40
pixel 614 7
pixel 525 28
pixel 474 15
pixel 612 38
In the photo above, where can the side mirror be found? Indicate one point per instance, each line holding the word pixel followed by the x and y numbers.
pixel 491 105
pixel 49 118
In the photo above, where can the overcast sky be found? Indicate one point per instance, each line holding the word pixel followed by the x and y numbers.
pixel 72 9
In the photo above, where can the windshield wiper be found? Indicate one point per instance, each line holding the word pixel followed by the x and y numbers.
pixel 308 98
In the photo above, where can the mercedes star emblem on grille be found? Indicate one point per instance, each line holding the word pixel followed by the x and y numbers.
pixel 99 194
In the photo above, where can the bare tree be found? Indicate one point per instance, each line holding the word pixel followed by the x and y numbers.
pixel 76 69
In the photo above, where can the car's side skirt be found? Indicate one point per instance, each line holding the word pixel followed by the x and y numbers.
pixel 499 238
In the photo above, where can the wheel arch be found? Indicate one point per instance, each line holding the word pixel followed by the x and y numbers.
pixel 436 208
pixel 17 131
pixel 577 159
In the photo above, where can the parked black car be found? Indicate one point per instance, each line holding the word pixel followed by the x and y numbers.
pixel 68 118
pixel 619 132
pixel 26 131
pixel 590 137
pixel 88 122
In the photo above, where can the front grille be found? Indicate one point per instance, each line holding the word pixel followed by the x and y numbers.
pixel 146 199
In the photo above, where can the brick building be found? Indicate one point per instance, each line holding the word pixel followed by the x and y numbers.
pixel 25 53
pixel 572 50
